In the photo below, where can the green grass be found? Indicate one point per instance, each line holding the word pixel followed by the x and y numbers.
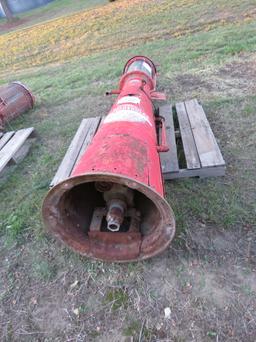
pixel 43 270
pixel 92 31
pixel 117 298
pixel 52 10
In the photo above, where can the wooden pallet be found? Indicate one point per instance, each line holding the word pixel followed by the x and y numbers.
pixel 193 152
pixel 14 146
pixel 81 140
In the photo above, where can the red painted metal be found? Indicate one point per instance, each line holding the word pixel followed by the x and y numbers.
pixel 125 153
pixel 15 99
pixel 126 142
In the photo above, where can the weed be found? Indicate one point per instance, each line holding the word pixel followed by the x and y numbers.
pixel 43 270
pixel 94 334
pixel 212 334
pixel 14 225
pixel 135 329
pixel 83 309
pixel 118 298
pixel 132 329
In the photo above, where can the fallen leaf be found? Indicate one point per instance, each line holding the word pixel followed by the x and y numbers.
pixel 76 311
pixel 167 313
pixel 75 283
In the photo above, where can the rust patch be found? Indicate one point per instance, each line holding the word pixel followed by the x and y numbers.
pixel 68 211
pixel 15 99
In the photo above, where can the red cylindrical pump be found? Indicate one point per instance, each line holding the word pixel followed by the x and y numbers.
pixel 15 99
pixel 113 207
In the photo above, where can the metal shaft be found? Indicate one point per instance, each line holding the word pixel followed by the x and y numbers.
pixel 115 215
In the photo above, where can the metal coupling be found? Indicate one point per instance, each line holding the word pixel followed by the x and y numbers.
pixel 115 215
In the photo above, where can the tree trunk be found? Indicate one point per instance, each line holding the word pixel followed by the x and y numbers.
pixel 6 9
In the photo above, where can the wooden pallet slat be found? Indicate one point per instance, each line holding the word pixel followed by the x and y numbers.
pixel 90 134
pixel 11 148
pixel 202 153
pixel 69 159
pixel 202 173
pixel 189 146
pixel 22 152
pixel 5 138
pixel 73 152
pixel 207 147
pixel 169 160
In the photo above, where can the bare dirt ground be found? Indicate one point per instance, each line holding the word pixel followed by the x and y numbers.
pixel 206 282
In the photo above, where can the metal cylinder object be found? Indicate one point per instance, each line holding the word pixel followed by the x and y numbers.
pixel 115 215
pixel 19 6
pixel 113 207
pixel 15 99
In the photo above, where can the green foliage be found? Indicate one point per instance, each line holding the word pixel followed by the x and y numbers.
pixel 14 225
pixel 118 298
pixel 43 270
pixel 132 329
pixel 212 334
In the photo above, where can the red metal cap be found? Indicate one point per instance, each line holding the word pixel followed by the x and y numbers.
pixel 32 97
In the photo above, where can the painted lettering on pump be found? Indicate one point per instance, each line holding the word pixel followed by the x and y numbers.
pixel 128 113
pixel 129 99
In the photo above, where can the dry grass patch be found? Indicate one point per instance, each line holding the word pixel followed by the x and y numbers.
pixel 113 27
